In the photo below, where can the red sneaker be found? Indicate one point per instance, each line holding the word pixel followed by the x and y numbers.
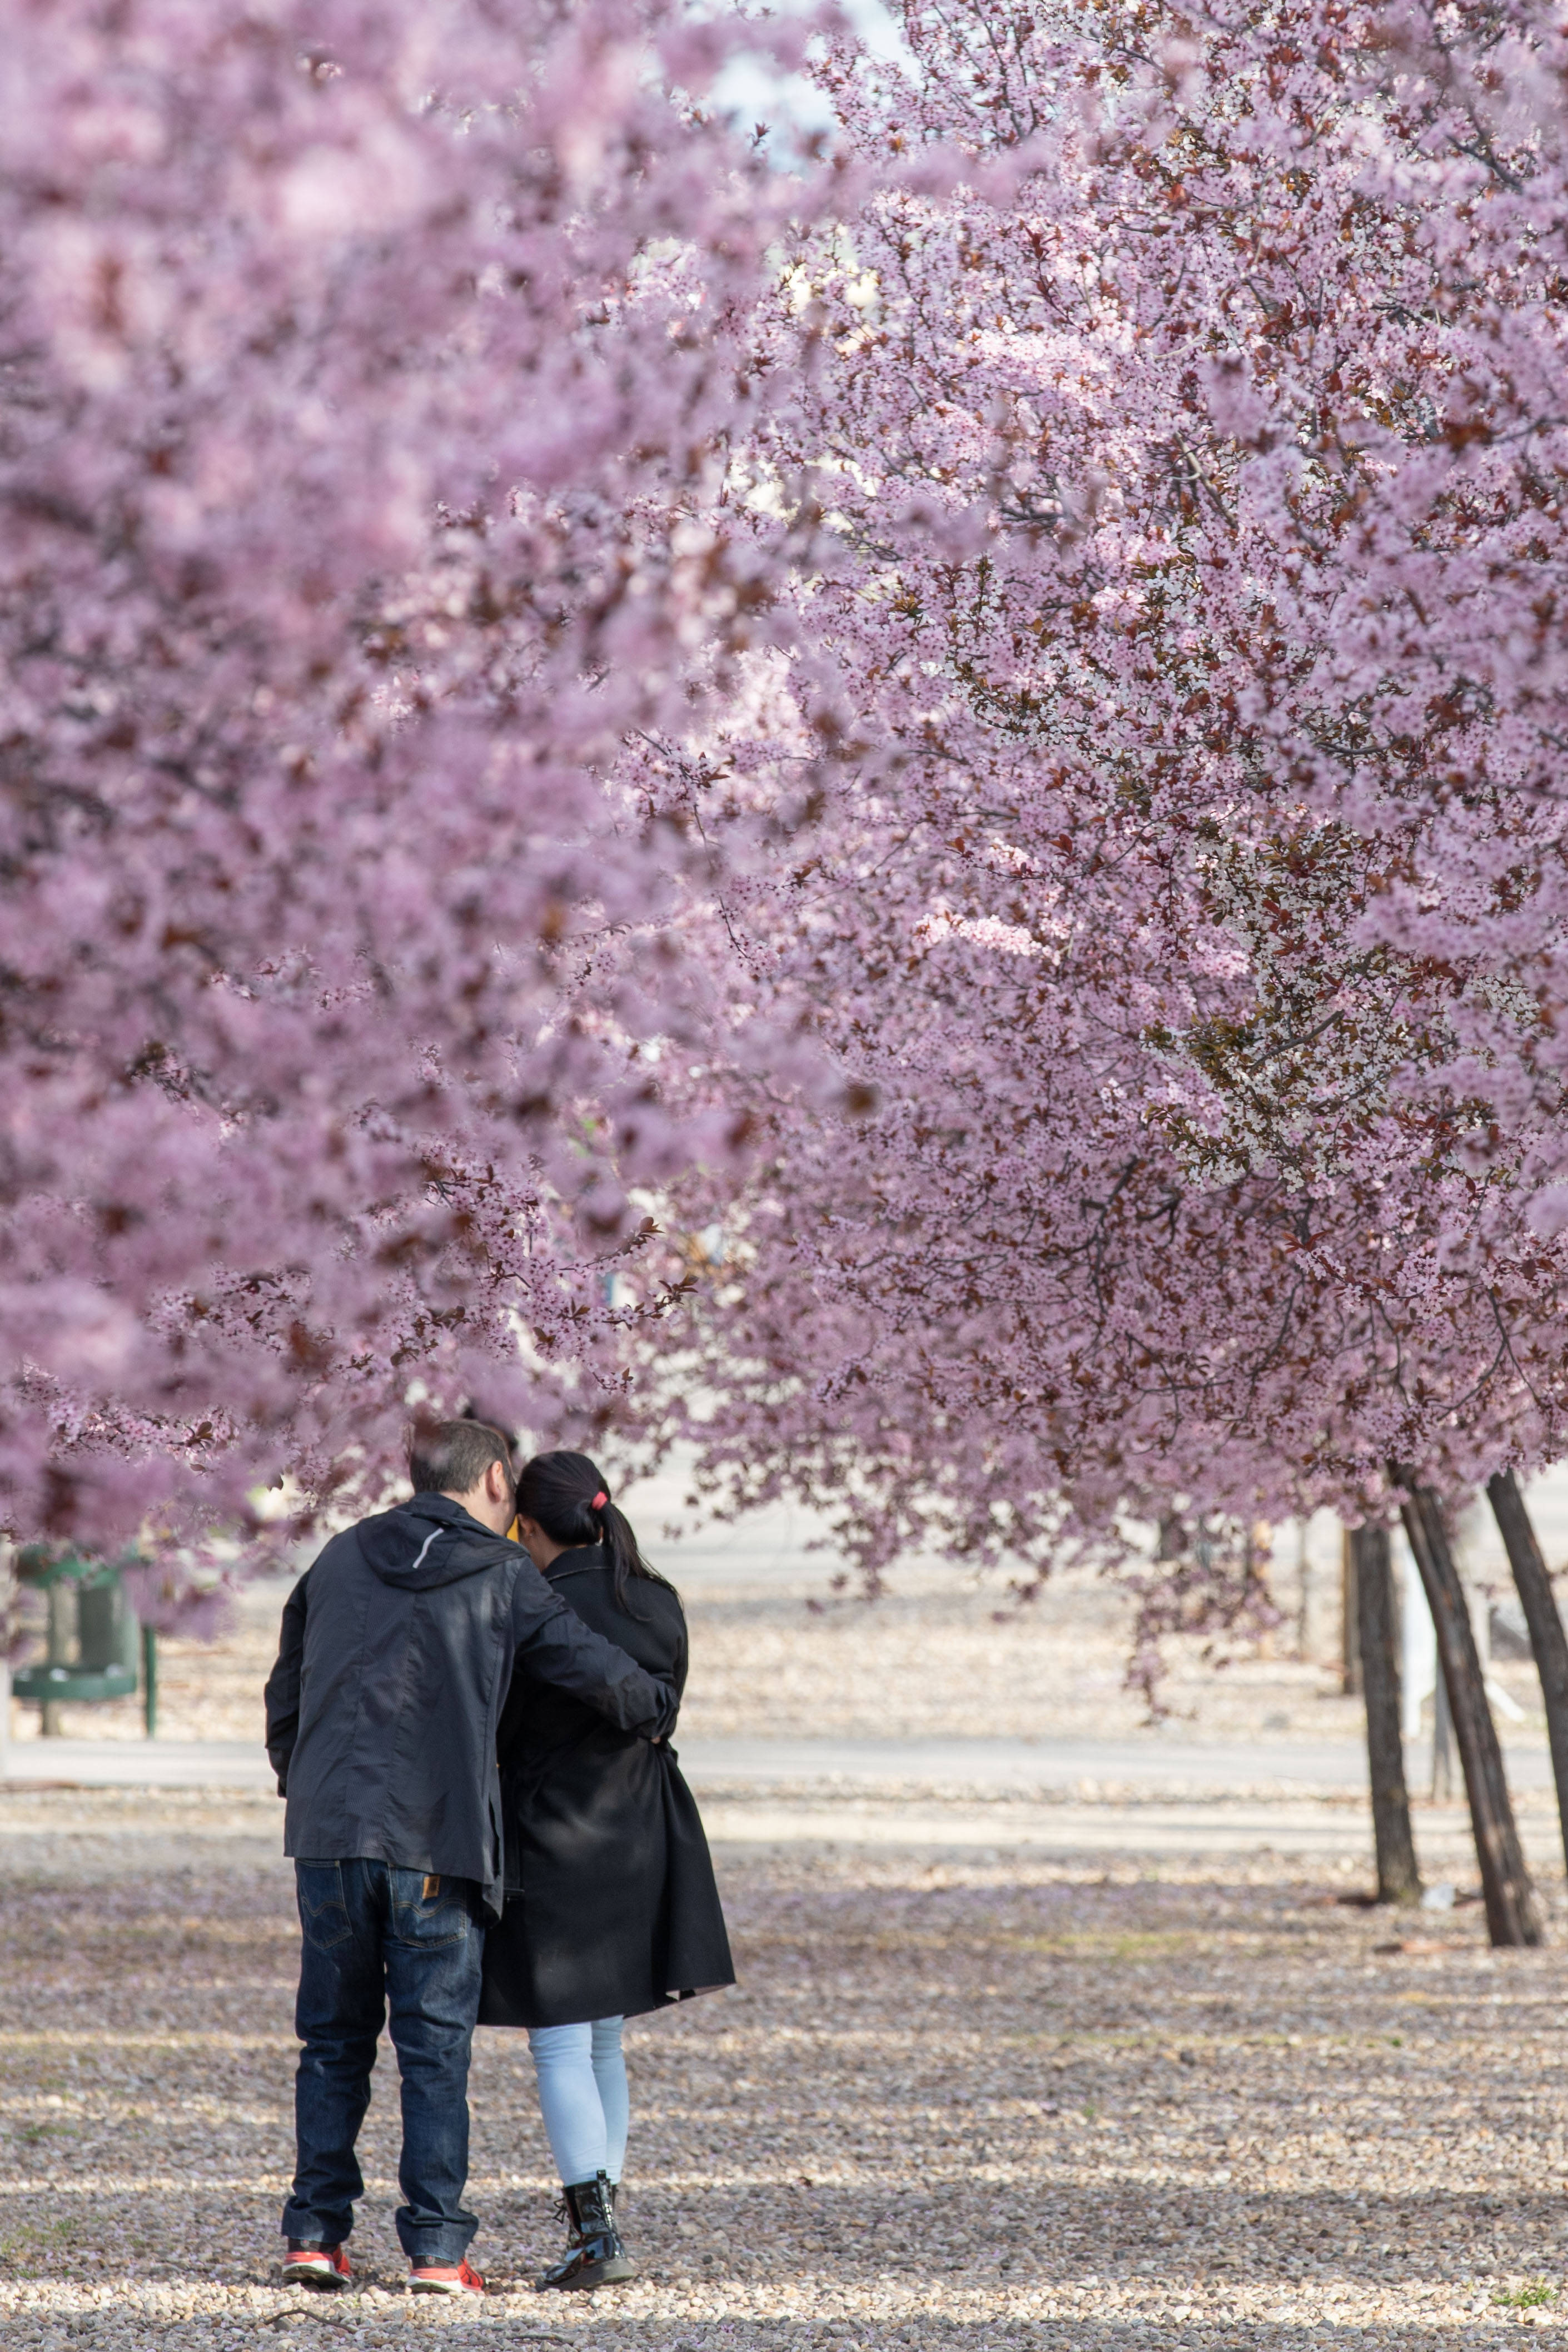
pixel 443 2278
pixel 324 2267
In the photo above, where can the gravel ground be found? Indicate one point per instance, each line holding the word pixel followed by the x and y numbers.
pixel 1086 2069
pixel 976 2100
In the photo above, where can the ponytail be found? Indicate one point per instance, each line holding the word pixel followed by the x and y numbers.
pixel 565 1495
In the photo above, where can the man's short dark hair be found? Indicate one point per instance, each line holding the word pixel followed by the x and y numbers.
pixel 450 1457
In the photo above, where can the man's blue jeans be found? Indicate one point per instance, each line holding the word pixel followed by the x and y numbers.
pixel 379 1938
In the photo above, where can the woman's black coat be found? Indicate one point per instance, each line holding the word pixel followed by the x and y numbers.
pixel 611 1905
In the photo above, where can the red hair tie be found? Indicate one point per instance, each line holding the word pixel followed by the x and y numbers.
pixel 599 1501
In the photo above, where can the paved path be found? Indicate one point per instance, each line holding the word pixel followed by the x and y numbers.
pixel 1018 1767
pixel 1097 1773
pixel 134 1764
pixel 1155 1803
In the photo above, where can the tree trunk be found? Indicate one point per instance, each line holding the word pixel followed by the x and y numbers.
pixel 1511 1914
pixel 1399 1879
pixel 1546 1636
pixel 1442 1744
pixel 1350 1618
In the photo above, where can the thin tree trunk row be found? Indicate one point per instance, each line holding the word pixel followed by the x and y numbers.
pixel 1512 1915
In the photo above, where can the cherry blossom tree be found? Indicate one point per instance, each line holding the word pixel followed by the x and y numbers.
pixel 369 373
pixel 1185 898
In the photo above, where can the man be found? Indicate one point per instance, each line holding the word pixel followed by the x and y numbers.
pixel 397 1650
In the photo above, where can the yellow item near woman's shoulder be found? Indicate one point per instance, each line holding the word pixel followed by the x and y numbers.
pixel 512 1535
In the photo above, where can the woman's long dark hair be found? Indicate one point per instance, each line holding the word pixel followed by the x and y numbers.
pixel 557 1491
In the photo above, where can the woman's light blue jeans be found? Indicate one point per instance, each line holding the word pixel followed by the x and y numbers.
pixel 583 2096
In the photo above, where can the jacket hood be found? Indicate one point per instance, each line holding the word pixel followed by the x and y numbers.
pixel 428 1542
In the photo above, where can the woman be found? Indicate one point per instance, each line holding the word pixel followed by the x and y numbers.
pixel 612 1908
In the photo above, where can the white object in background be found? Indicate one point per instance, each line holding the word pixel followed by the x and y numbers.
pixel 1475 1528
pixel 1418 1645
pixel 1510 1630
pixel 1438 1898
pixel 1417 1639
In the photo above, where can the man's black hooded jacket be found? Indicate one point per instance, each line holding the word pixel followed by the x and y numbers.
pixel 396 1656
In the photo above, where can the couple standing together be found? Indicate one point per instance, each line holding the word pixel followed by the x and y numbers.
pixel 488 1826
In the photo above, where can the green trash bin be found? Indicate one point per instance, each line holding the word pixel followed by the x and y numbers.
pixel 100 1660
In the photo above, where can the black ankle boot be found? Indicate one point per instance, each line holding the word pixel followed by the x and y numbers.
pixel 594 2255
